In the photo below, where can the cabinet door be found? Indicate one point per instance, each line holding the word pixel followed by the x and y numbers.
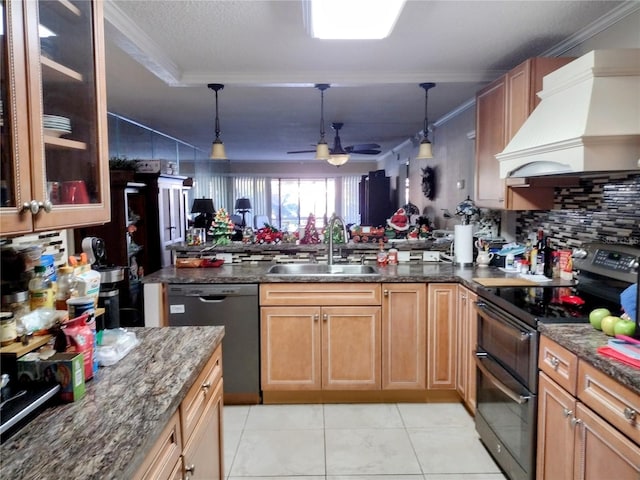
pixel 203 455
pixel 472 325
pixel 467 337
pixel 556 410
pixel 67 112
pixel 491 138
pixel 404 336
pixel 441 336
pixel 172 218
pixel 602 451
pixel 290 348
pixel 351 348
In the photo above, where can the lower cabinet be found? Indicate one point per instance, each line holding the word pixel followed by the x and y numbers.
pixel 441 335
pixel 467 328
pixel 190 446
pixel 575 441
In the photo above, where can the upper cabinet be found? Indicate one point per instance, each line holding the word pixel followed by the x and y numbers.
pixel 54 155
pixel 501 109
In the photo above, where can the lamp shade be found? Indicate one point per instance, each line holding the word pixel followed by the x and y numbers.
pixel 217 150
pixel 339 159
pixel 202 205
pixel 243 204
pixel 425 150
pixel 322 151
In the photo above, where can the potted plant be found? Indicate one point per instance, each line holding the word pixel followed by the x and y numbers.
pixel 121 169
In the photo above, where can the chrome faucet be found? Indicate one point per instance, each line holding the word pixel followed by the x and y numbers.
pixel 335 218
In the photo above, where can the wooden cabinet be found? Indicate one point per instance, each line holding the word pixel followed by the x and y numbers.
pixel 54 155
pixel 467 337
pixel 165 216
pixel 501 109
pixel 375 198
pixel 190 447
pixel 441 335
pixel 579 440
pixel 327 338
pixel 404 336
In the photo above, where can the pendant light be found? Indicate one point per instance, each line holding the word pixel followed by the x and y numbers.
pixel 322 149
pixel 217 149
pixel 425 146
pixel 338 154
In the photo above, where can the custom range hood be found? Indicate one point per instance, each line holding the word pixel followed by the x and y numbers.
pixel 588 120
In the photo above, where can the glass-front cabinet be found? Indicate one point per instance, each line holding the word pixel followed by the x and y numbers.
pixel 54 121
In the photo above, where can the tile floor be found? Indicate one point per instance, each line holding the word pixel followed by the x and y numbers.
pixel 434 441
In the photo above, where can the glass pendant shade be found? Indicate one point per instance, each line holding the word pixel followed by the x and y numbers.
pixel 425 150
pixel 339 159
pixel 322 151
pixel 217 150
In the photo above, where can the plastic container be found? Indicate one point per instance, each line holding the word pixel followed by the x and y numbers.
pixel 67 287
pixel 40 289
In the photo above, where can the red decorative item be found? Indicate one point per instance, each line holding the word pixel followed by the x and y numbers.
pixel 311 235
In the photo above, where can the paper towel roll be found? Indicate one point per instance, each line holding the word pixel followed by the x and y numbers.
pixel 463 244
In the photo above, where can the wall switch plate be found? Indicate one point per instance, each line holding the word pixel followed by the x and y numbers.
pixel 431 256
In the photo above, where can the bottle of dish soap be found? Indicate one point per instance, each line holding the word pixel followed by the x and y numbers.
pixel 382 255
pixel 392 259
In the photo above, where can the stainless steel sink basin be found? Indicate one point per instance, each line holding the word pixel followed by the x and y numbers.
pixel 321 269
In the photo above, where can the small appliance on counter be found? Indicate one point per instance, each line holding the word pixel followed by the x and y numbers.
pixel 110 278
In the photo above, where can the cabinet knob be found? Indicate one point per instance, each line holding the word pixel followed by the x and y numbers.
pixel 32 206
pixel 206 386
pixel 47 206
pixel 566 412
pixel 325 317
pixel 630 414
pixel 316 317
pixel 575 421
pixel 386 293
pixel 190 469
pixel 554 362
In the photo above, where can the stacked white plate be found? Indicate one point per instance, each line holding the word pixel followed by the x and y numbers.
pixel 1 114
pixel 56 125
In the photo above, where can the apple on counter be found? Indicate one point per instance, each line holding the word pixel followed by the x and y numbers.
pixel 596 316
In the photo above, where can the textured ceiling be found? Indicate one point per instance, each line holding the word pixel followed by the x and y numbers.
pixel 162 53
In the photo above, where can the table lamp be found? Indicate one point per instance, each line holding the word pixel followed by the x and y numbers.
pixel 243 205
pixel 204 207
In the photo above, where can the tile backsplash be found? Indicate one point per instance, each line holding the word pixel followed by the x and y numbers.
pixel 604 209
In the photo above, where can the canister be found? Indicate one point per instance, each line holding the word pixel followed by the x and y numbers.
pixel 8 332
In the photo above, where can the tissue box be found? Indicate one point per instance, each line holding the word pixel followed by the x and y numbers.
pixel 67 369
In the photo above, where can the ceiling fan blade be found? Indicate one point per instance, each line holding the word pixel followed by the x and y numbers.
pixel 365 152
pixel 302 151
pixel 362 146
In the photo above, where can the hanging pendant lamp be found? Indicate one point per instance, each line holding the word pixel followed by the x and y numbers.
pixel 217 149
pixel 425 146
pixel 322 149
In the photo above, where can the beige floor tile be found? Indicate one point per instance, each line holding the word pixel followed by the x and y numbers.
pixel 231 442
pixel 305 477
pixel 381 415
pixel 275 417
pixel 375 477
pixel 280 453
pixel 466 476
pixel 235 416
pixel 369 451
pixel 451 450
pixel 427 415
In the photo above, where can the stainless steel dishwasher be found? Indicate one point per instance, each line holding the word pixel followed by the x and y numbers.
pixel 235 307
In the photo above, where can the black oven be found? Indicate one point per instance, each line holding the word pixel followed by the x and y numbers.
pixel 507 348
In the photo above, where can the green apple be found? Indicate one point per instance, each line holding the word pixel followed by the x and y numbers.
pixel 625 327
pixel 608 324
pixel 596 316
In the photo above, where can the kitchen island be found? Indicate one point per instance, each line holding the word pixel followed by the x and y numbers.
pixel 112 430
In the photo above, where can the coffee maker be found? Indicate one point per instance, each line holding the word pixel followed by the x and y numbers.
pixel 110 278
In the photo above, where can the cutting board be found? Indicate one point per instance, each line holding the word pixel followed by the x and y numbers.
pixel 505 282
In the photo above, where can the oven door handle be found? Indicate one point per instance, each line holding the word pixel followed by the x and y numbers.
pixel 519 399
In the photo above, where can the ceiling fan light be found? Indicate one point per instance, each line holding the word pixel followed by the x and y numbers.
pixel 353 19
pixel 338 159
pixel 322 151
pixel 425 150
pixel 217 150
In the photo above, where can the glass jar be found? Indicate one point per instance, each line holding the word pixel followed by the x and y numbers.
pixel 67 283
pixel 8 332
pixel 40 289
pixel 16 302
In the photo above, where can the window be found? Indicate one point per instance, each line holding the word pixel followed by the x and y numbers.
pixel 293 200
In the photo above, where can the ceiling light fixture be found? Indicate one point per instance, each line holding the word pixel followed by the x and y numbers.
pixel 338 155
pixel 322 149
pixel 217 149
pixel 353 19
pixel 425 146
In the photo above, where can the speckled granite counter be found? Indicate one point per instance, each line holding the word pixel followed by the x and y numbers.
pixel 107 434
pixel 583 340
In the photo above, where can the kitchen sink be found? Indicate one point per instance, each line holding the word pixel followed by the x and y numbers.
pixel 321 269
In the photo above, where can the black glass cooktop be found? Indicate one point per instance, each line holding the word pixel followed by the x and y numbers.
pixel 20 405
pixel 549 304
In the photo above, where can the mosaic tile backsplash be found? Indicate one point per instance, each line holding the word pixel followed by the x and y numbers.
pixel 604 209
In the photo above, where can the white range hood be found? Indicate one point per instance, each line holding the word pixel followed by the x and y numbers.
pixel 588 120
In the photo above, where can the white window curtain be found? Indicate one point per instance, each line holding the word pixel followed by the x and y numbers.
pixel 256 190
pixel 350 204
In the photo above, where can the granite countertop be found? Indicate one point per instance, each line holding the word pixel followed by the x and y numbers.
pixel 584 340
pixel 108 433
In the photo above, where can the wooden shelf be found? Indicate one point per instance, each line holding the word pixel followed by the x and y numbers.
pixel 54 71
pixel 58 142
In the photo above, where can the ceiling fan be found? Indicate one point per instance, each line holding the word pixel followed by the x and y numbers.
pixel 338 149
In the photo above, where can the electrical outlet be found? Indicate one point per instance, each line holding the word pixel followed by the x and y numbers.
pixel 431 256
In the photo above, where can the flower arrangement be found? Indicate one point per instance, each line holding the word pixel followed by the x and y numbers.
pixel 467 210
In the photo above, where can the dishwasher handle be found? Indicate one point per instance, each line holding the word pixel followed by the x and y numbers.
pixel 213 298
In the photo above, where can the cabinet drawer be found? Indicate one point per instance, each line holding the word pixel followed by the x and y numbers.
pixel 320 294
pixel 165 454
pixel 609 399
pixel 196 399
pixel 559 363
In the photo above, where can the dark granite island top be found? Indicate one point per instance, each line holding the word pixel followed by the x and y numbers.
pixel 108 433
pixel 584 340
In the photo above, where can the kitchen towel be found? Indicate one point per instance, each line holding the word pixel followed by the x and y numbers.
pixel 463 244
